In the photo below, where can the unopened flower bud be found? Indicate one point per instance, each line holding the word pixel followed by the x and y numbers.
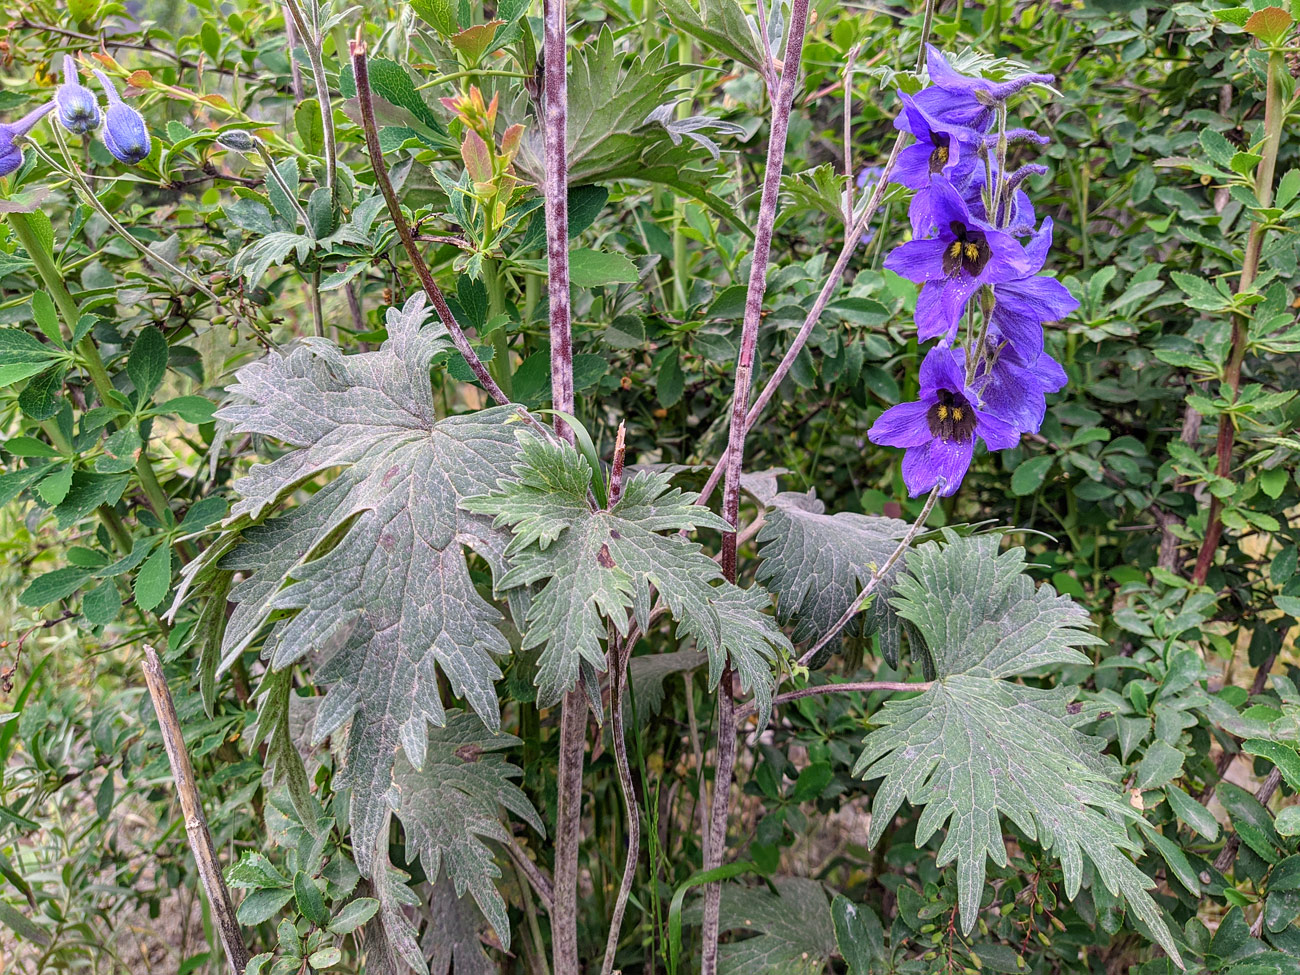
pixel 78 109
pixel 11 157
pixel 125 133
pixel 238 140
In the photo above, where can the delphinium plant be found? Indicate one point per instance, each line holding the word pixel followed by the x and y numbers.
pixel 398 486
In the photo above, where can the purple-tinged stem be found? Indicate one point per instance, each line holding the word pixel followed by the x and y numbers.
pixel 620 651
pixel 768 205
pixel 851 239
pixel 361 70
pixel 573 708
pixel 858 687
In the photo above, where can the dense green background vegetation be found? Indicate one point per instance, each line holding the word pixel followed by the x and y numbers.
pixel 1154 183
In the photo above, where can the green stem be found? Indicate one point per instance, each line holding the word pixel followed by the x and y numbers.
pixel 501 368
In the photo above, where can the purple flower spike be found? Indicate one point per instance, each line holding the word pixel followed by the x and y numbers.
pixel 938 432
pixel 11 157
pixel 125 133
pixel 960 99
pixel 966 254
pixel 77 105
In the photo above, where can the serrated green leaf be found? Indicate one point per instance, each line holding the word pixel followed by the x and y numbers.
pixel 310 901
pixel 452 804
pixel 53 586
pixel 720 24
pixel 976 746
pixel 41 396
pixel 818 563
pixel 600 564
pixel 253 870
pixel 794 932
pixel 23 355
pixel 103 604
pixel 1200 292
pixel 394 594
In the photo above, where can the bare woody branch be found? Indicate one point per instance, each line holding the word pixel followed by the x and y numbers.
pixel 196 824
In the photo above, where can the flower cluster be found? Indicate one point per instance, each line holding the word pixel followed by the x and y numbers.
pixel 976 252
pixel 77 109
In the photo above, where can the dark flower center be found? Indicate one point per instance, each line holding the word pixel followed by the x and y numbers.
pixel 969 251
pixel 951 418
pixel 939 157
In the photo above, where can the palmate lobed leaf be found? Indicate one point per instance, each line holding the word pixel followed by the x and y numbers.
pixel 599 564
pixel 452 804
pixel 368 574
pixel 818 563
pixel 976 747
pixel 794 932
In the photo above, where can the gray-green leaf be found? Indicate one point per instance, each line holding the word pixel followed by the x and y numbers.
pixel 975 746
pixel 600 564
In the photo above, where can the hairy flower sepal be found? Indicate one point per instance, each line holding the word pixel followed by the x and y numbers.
pixel 966 254
pixel 11 157
pixel 78 108
pixel 938 432
pixel 967 100
pixel 125 133
pixel 942 154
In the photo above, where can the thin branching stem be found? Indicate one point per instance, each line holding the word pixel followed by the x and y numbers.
pixel 851 687
pixel 312 41
pixel 366 102
pixel 852 238
pixel 757 287
pixel 877 576
pixel 620 651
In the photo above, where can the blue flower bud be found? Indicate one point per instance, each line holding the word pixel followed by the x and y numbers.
pixel 77 105
pixel 11 157
pixel 125 133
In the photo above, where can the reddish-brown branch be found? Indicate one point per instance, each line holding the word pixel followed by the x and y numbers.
pixel 360 70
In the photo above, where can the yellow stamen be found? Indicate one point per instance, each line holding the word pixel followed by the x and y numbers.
pixel 956 414
pixel 955 249
pixel 942 153
pixel 972 252
pixel 942 411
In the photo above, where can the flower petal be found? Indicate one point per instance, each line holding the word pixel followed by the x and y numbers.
pixel 943 369
pixel 917 260
pixel 997 433
pixel 926 466
pixel 904 425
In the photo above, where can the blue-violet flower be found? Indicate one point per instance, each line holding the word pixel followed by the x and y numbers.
pixel 1022 305
pixel 938 432
pixel 11 157
pixel 960 99
pixel 966 254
